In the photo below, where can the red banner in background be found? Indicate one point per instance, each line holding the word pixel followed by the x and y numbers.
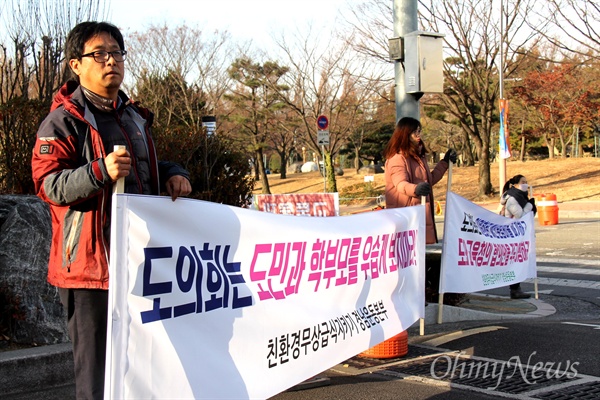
pixel 302 204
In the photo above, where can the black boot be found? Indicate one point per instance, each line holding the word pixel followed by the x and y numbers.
pixel 517 293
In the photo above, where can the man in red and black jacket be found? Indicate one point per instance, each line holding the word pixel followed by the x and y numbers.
pixel 74 169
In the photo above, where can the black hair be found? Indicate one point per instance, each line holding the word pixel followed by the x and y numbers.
pixel 512 181
pixel 83 32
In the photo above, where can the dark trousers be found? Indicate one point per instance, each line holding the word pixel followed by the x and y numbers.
pixel 87 311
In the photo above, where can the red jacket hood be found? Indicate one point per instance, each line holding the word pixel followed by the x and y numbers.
pixel 64 94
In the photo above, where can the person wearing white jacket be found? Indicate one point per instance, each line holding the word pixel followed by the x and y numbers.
pixel 516 203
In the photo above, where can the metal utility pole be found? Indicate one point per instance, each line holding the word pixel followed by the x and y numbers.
pixel 405 21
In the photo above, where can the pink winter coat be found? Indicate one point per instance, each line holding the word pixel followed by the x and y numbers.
pixel 402 174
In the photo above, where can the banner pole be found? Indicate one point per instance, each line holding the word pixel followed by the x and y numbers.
pixel 324 174
pixel 449 184
pixel 422 320
pixel 535 280
pixel 441 294
pixel 115 233
pixel 119 186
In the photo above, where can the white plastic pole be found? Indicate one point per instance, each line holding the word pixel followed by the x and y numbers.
pixel 422 320
pixel 535 280
pixel 441 294
pixel 114 354
pixel 119 186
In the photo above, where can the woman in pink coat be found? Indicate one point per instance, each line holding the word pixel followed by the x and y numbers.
pixel 407 174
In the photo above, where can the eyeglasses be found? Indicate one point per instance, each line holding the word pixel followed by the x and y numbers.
pixel 417 132
pixel 104 56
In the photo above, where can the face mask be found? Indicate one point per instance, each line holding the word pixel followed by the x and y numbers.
pixel 523 187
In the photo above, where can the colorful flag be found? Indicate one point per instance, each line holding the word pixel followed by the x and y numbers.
pixel 503 134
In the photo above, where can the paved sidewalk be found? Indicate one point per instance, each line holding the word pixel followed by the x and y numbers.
pixel 481 307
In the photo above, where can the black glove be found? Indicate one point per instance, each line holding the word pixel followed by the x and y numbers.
pixel 423 189
pixel 450 156
pixel 532 201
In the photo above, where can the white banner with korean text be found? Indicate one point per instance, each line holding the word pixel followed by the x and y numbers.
pixel 483 250
pixel 209 301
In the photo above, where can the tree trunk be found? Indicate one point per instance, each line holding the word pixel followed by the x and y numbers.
pixel 261 170
pixel 485 182
pixel 357 163
pixel 563 150
pixel 330 173
pixel 523 141
pixel 468 159
pixel 576 145
pixel 283 167
pixel 256 170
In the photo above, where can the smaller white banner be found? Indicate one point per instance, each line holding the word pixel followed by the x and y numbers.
pixel 483 250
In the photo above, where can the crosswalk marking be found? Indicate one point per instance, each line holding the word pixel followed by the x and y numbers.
pixel 568 261
pixel 567 270
pixel 580 324
pixel 567 282
pixel 579 283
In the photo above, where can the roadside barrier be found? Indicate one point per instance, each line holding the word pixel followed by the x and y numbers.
pixel 394 347
pixel 547 209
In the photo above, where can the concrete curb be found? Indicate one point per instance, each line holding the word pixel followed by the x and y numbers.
pixel 576 214
pixel 37 368
pixel 459 314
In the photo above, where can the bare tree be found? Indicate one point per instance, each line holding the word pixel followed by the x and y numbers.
pixel 571 25
pixel 284 138
pixel 31 70
pixel 180 73
pixel 326 78
pixel 197 58
pixel 474 45
pixel 367 28
pixel 37 30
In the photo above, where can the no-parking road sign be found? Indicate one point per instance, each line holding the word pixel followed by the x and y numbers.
pixel 322 133
pixel 322 122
